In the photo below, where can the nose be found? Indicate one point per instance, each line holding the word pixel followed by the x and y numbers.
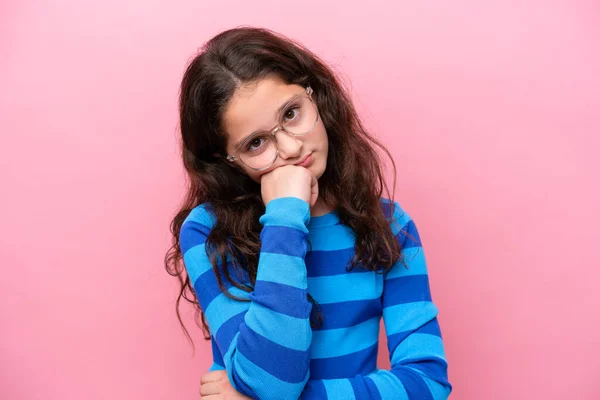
pixel 289 146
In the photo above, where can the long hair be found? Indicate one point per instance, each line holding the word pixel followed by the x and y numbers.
pixel 352 183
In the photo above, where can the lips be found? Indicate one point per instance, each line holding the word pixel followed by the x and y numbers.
pixel 305 161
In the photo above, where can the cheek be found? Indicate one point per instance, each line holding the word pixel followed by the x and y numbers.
pixel 324 141
pixel 256 175
pixel 322 137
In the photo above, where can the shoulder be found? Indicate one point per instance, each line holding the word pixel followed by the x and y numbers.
pixel 394 212
pixel 196 226
pixel 202 214
pixel 192 242
pixel 401 223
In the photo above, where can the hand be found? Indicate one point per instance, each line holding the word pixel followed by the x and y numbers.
pixel 215 385
pixel 289 181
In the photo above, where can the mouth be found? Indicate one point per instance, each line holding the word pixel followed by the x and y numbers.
pixel 305 161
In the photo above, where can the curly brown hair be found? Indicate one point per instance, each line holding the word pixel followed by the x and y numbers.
pixel 352 183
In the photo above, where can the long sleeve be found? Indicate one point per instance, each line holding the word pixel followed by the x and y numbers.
pixel 264 343
pixel 417 357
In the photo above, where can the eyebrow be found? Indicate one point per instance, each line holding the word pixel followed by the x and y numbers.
pixel 288 101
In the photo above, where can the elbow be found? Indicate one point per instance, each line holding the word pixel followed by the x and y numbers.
pixel 424 381
pixel 277 381
pixel 263 391
pixel 440 391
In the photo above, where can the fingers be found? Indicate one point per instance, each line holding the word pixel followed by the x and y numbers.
pixel 211 388
pixel 207 389
pixel 215 385
pixel 213 376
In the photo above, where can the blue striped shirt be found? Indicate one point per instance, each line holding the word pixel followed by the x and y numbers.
pixel 267 345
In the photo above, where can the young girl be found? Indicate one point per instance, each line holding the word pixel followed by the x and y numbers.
pixel 291 250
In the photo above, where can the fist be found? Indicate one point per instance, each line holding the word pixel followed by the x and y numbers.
pixel 289 181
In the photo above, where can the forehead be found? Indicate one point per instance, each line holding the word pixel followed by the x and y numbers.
pixel 254 107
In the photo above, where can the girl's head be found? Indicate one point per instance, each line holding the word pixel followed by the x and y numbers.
pixel 259 107
pixel 236 86
pixel 245 84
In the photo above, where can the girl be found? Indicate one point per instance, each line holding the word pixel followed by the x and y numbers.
pixel 289 248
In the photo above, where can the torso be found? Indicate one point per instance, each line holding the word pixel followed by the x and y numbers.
pixel 350 302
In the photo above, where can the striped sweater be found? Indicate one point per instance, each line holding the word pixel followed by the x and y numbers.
pixel 267 345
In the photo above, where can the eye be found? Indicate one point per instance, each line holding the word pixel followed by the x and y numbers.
pixel 254 144
pixel 291 113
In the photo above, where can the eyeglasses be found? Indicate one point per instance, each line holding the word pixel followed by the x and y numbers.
pixel 298 117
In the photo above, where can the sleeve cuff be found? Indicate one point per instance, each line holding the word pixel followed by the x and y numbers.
pixel 292 212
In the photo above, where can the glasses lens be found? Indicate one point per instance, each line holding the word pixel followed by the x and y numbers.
pixel 258 151
pixel 299 117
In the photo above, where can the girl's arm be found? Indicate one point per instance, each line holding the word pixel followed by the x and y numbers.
pixel 418 362
pixel 263 344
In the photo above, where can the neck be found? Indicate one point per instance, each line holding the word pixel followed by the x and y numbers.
pixel 320 208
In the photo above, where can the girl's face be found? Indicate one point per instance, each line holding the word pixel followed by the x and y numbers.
pixel 254 107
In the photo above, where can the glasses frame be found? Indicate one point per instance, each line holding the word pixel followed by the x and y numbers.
pixel 235 156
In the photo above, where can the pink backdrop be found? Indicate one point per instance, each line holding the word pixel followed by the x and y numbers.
pixel 491 112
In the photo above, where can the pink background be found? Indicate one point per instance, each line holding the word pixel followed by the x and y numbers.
pixel 490 110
